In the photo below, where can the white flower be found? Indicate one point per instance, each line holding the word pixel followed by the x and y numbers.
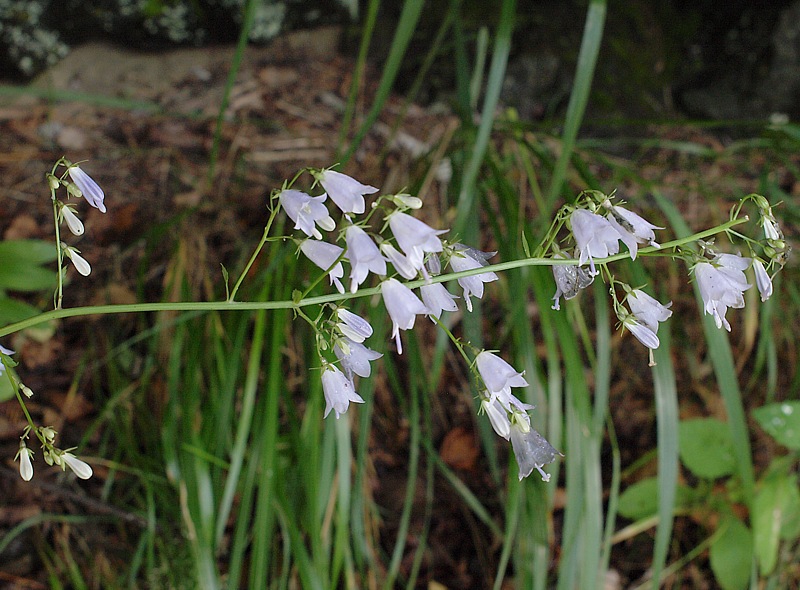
pixel 570 280
pixel 25 465
pixel 400 262
pixel 415 237
pixel 306 211
pixel 363 255
pixel 81 265
pixel 355 357
pixel 353 326
pixel 437 299
pixel 346 192
pixel 644 333
pixel 532 451
pixel 498 376
pixel 632 228
pixel 81 468
pixel 88 188
pixel 498 416
pixel 771 229
pixel 647 309
pixel 763 281
pixel 338 390
pixel 402 306
pixel 465 258
pixel 595 237
pixel 324 255
pixel 722 282
pixel 73 223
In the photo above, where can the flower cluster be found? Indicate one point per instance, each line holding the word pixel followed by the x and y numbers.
pixel 411 250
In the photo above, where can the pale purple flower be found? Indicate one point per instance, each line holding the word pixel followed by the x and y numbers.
pixel 339 391
pixel 644 333
pixel 722 283
pixel 498 416
pixel 763 280
pixel 400 262
pixel 73 223
pixel 570 280
pixel 648 310
pixel 595 237
pixel 531 450
pixel 465 258
pixel 80 468
pixel 346 192
pixel 355 357
pixel 498 376
pixel 414 237
pixel 437 299
pixel 80 263
pixel 307 212
pixel 632 228
pixel 402 306
pixel 363 255
pixel 88 188
pixel 25 465
pixel 324 255
pixel 771 229
pixel 353 326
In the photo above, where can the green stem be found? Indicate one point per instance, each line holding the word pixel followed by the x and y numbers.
pixel 256 252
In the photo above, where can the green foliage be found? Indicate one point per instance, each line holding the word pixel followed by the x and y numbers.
pixel 706 448
pixel 732 554
pixel 782 422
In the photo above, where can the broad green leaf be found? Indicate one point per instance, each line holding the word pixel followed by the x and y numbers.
pixel 20 268
pixel 732 555
pixel 782 422
pixel 706 448
pixel 640 500
pixel 775 503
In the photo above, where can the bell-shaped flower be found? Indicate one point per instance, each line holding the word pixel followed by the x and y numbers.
pixel 415 237
pixel 595 237
pixel 324 255
pixel 644 333
pixel 648 310
pixel 498 416
pixel 498 376
pixel 355 357
pixel 763 280
pixel 307 212
pixel 771 229
pixel 437 299
pixel 353 326
pixel 400 262
pixel 531 450
pixel 402 306
pixel 87 187
pixel 74 224
pixel 721 282
pixel 632 228
pixel 338 390
pixel 465 258
pixel 570 280
pixel 363 255
pixel 25 465
pixel 346 192
pixel 80 468
pixel 80 263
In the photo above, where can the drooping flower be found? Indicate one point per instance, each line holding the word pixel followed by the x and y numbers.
pixel 338 390
pixel 25 465
pixel 80 468
pixel 644 333
pixel 531 450
pixel 498 416
pixel 363 255
pixel 355 357
pixel 346 192
pixel 722 283
pixel 498 376
pixel 402 306
pixel 414 237
pixel 401 263
pixel 763 280
pixel 324 255
pixel 87 187
pixel 353 326
pixel 648 310
pixel 632 228
pixel 466 258
pixel 307 212
pixel 437 299
pixel 570 280
pixel 771 229
pixel 80 263
pixel 595 237
pixel 74 224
